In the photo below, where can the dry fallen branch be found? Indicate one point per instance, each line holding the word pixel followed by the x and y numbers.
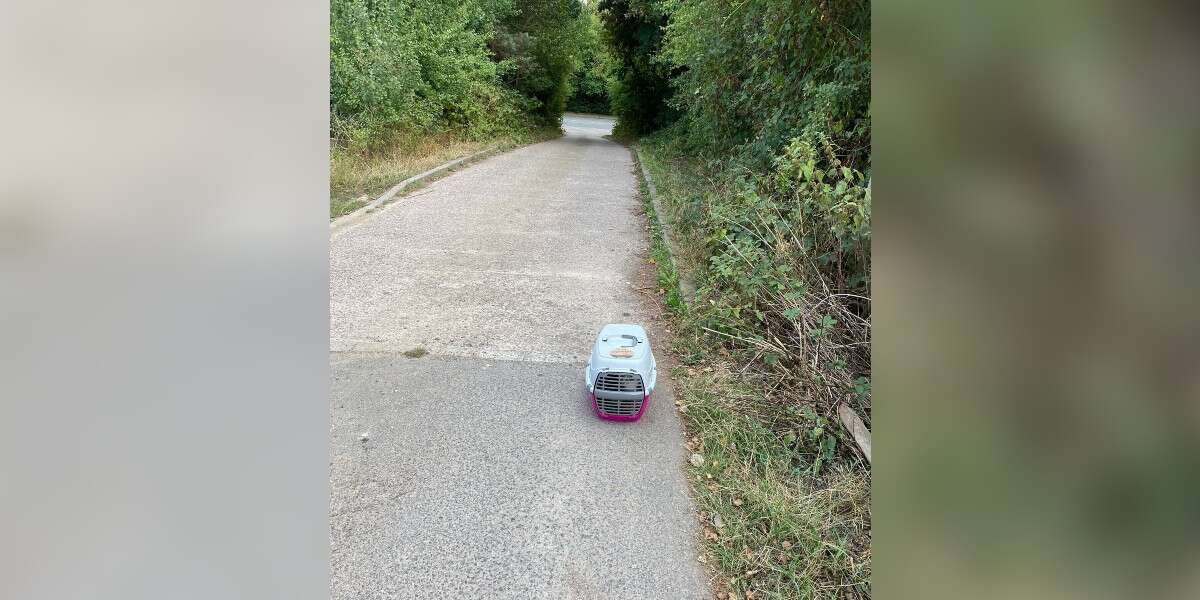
pixel 858 430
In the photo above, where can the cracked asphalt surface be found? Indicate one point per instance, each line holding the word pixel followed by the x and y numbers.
pixel 484 473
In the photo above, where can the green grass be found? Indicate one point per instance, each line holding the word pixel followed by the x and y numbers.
pixel 796 519
pixel 786 533
pixel 660 254
pixel 682 195
pixel 417 352
pixel 358 176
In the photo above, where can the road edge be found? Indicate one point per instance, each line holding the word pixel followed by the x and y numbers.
pixel 395 190
pixel 687 288
pixel 663 327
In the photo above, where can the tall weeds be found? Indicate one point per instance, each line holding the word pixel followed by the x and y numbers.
pixel 789 271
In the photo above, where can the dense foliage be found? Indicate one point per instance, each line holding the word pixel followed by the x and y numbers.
pixel 752 76
pixel 538 44
pixel 769 99
pixel 475 67
pixel 590 88
pixel 641 88
pixel 592 81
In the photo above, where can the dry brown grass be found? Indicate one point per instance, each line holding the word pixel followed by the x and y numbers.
pixel 771 529
pixel 357 177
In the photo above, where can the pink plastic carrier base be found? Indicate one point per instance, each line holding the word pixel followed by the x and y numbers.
pixel 625 418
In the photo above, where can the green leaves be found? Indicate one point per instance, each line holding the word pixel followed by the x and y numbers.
pixel 862 388
pixel 823 328
pixel 748 76
pixel 434 65
pixel 815 442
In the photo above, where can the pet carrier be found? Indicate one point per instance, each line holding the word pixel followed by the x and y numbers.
pixel 620 373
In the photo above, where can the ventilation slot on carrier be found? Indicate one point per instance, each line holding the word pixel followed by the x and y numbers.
pixel 615 381
pixel 620 408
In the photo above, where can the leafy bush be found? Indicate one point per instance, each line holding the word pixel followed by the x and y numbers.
pixel 475 67
pixel 753 75
pixel 641 84
pixel 414 65
pixel 590 89
pixel 769 101
pixel 790 268
pixel 539 44
pixel 591 83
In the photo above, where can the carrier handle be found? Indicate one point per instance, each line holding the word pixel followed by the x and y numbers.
pixel 636 341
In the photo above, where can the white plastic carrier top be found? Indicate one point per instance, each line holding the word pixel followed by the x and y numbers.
pixel 622 347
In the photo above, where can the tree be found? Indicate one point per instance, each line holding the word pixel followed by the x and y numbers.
pixel 642 88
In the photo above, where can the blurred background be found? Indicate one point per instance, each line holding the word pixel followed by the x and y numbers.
pixel 164 300
pixel 163 296
pixel 1036 381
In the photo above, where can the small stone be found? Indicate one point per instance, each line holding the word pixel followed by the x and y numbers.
pixel 708 369
pixel 702 558
pixel 787 545
pixel 682 408
pixel 718 522
pixel 364 437
pixel 697 459
pixel 737 501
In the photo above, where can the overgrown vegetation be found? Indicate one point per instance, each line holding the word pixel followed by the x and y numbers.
pixel 754 121
pixel 592 81
pixel 660 255
pixel 641 86
pixel 410 79
pixel 786 264
pixel 784 502
pixel 779 521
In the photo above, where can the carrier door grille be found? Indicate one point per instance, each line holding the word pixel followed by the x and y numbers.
pixel 616 381
pixel 619 408
pixel 627 384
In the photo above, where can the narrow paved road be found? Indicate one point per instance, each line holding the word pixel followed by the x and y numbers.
pixel 485 474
